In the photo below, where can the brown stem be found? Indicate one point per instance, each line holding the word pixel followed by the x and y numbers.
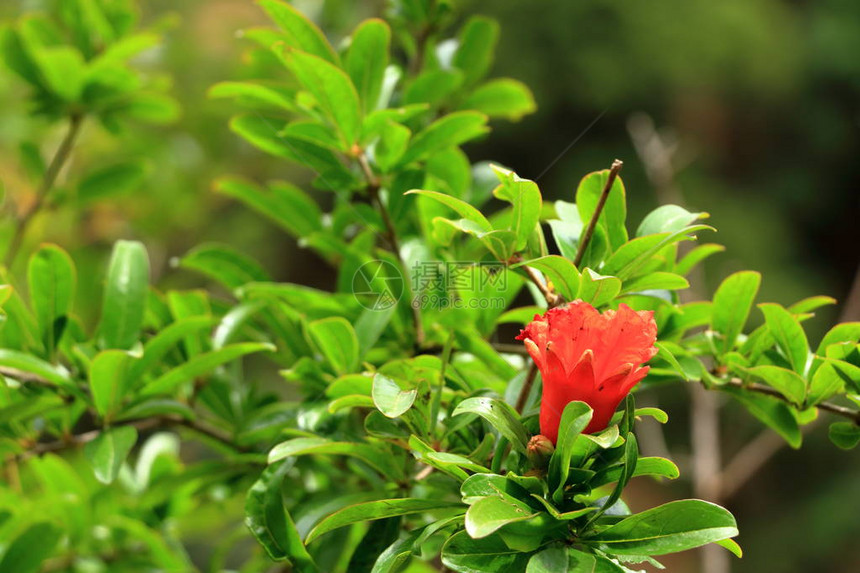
pixel 373 186
pixel 141 425
pixel 421 38
pixel 22 376
pixel 592 224
pixel 59 160
pixel 527 388
pixel 552 300
pixel 852 415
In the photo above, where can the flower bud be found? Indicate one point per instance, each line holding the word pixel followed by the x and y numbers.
pixel 540 450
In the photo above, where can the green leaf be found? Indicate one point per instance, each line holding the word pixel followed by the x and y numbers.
pixel 314 132
pixel 732 546
pixel 27 363
pixel 788 333
pixel 151 107
pixel 27 552
pixel 63 69
pixel 655 281
pixel 771 411
pixel 845 435
pixel 202 364
pixel 574 419
pixel 732 303
pixel 389 398
pixel 112 180
pixel 336 340
pixel 125 296
pixel 669 528
pixel 283 203
pixel 697 255
pixel 271 523
pixel 373 456
pixel 433 87
pixel 628 258
pixel 32 160
pixel 366 60
pixel 667 218
pixel 525 197
pixel 614 214
pixel 52 279
pixel 371 325
pixel 17 59
pixel 462 208
pixel 790 384
pixel 482 485
pixel 225 265
pixel 109 380
pixel 393 139
pixel 267 134
pixel 159 345
pixel 500 415
pixel 628 469
pixel 656 413
pixel 486 555
pixel 551 560
pixel 810 304
pixel 560 271
pixel 505 98
pixel 449 459
pixel 451 130
pixel 489 514
pixel 254 93
pixel 298 31
pixel 596 289
pixel 647 466
pixel 109 450
pixel 827 381
pixel 845 332
pixel 331 88
pixel 372 510
pixel 477 44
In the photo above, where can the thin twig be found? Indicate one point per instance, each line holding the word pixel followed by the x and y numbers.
pixel 78 440
pixel 509 348
pixel 22 376
pixel 56 166
pixel 852 415
pixel 373 186
pixel 527 388
pixel 552 299
pixel 592 224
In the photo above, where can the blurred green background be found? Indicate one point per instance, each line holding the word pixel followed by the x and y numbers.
pixel 760 100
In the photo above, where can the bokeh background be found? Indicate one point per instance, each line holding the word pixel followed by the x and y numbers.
pixel 755 104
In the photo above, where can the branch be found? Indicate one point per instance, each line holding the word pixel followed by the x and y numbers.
pixel 373 186
pixel 23 376
pixel 78 440
pixel 527 388
pixel 592 224
pixel 59 160
pixel 852 415
pixel 552 299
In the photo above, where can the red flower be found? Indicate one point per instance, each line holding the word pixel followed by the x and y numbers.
pixel 587 356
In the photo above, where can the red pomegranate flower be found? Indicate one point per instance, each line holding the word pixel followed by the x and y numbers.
pixel 588 356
